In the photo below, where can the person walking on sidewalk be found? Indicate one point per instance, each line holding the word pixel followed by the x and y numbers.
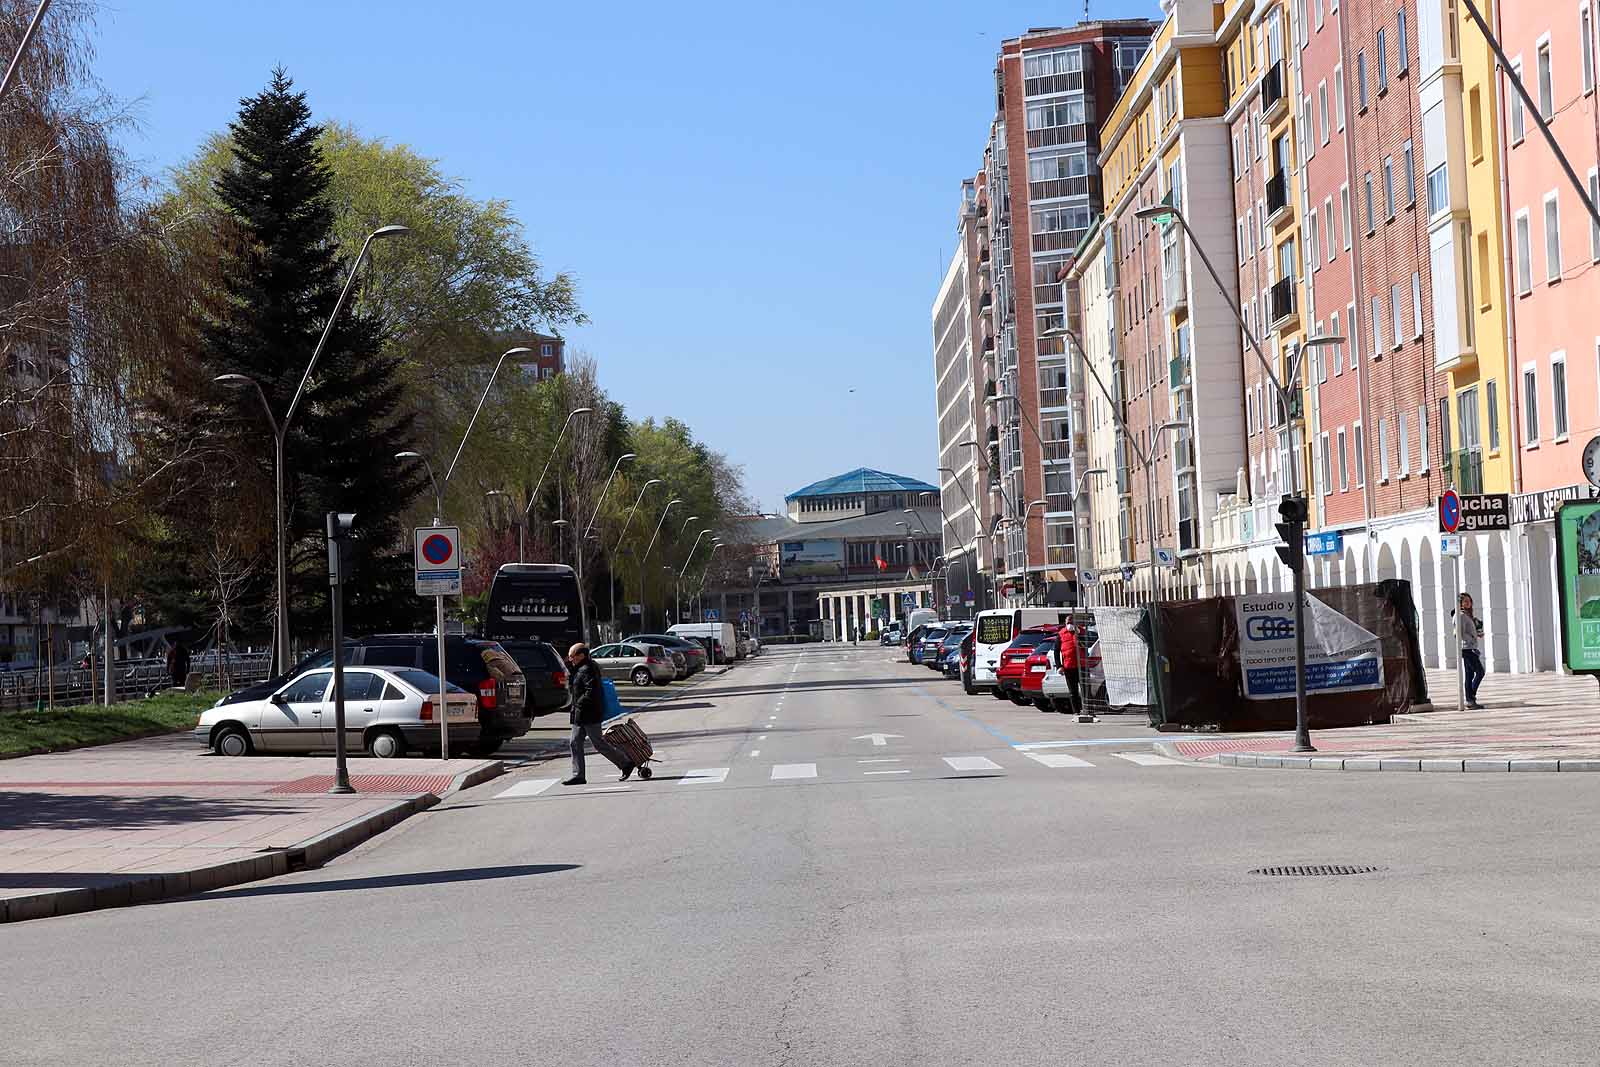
pixel 1471 634
pixel 588 711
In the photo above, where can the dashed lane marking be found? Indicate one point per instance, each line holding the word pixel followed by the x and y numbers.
pixel 1057 759
pixel 794 770
pixel 972 763
pixel 707 774
pixel 1147 759
pixel 528 789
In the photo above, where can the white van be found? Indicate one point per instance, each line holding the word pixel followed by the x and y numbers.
pixel 722 632
pixel 917 617
pixel 995 630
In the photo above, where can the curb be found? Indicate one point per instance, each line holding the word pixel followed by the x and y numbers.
pixel 468 779
pixel 1469 764
pixel 145 889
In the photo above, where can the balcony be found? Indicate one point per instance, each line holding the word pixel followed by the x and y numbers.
pixel 1057 452
pixel 1464 470
pixel 1177 372
pixel 1274 100
pixel 1282 299
pixel 986 301
pixel 1278 198
pixel 1174 281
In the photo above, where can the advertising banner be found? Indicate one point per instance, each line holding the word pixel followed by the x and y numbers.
pixel 1578 553
pixel 811 559
pixel 1341 657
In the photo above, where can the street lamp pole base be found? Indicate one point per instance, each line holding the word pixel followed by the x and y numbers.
pixel 342 788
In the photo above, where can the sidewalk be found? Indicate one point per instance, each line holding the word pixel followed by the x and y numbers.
pixel 158 817
pixel 1537 722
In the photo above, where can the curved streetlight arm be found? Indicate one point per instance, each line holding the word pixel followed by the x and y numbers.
pixel 237 380
pixel 614 468
pixel 473 421
pixel 27 38
pixel 674 502
pixel 327 331
pixel 690 556
pixel 438 506
pixel 629 520
pixel 554 449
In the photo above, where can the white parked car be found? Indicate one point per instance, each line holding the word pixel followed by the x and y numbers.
pixel 387 712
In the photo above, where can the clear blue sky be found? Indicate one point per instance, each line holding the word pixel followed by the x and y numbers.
pixel 758 202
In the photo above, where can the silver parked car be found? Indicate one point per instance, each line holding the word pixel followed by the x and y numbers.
pixel 387 711
pixel 640 663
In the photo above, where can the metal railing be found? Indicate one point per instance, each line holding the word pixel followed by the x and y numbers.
pixel 24 689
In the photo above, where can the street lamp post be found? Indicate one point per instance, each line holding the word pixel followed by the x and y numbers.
pixel 611 580
pixel 609 478
pixel 704 574
pixel 674 502
pixel 675 606
pixel 280 433
pixel 1284 390
pixel 533 498
pixel 690 556
pixel 1077 543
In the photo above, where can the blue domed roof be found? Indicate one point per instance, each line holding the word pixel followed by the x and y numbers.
pixel 863 480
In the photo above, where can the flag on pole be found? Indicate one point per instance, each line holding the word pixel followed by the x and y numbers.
pixel 882 566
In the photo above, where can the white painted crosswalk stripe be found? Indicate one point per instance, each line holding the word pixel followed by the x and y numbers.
pixel 708 774
pixel 528 789
pixel 972 763
pixel 794 770
pixel 1149 759
pixel 1057 759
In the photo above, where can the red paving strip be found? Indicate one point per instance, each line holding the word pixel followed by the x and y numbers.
pixel 253 783
pixel 371 783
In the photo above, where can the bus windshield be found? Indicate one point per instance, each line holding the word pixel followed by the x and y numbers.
pixel 534 600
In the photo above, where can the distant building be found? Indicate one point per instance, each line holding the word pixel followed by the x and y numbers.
pixel 851 548
pixel 548 358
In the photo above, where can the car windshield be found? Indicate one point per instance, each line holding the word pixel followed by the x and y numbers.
pixel 1029 639
pixel 422 681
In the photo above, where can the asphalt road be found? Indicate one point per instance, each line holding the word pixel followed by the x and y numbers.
pixel 957 901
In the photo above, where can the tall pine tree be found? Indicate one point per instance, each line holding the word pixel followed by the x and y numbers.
pixel 279 282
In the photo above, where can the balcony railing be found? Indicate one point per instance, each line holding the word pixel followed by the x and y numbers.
pixel 1057 451
pixel 1272 92
pixel 1464 470
pixel 1282 295
pixel 1277 195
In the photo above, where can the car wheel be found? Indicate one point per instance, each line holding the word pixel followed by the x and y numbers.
pixel 998 693
pixel 1043 705
pixel 641 676
pixel 971 690
pixel 232 740
pixel 387 744
pixel 1017 698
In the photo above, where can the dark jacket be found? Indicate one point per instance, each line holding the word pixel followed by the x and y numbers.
pixel 588 698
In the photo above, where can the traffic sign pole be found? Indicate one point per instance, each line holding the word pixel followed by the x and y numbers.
pixel 438 566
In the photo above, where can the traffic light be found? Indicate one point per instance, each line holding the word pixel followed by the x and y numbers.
pixel 1294 513
pixel 341 546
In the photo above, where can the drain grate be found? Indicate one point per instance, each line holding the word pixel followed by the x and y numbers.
pixel 1314 870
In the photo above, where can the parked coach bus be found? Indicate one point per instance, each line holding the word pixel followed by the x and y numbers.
pixel 530 601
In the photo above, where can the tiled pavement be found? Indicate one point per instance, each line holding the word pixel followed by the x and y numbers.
pixel 1529 722
pixel 152 817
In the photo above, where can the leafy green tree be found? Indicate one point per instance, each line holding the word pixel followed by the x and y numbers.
pixel 277 284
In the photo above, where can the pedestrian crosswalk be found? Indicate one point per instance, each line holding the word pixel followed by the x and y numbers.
pixel 860 770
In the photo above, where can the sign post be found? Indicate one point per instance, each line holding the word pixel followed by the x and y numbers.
pixel 340 525
pixel 437 558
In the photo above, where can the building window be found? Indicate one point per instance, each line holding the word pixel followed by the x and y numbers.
pixel 1371 223
pixel 1586 46
pixel 1344 214
pixel 1399 314
pixel 1491 395
pixel 1422 437
pixel 1530 406
pixel 1327 464
pixel 1416 305
pixel 1444 432
pixel 1547 100
pixel 1344 463
pixel 1388 187
pixel 1383 450
pixel 1360 456
pixel 1519 122
pixel 1355 341
pixel 1405 444
pixel 1338 350
pixel 1361 80
pixel 1383 61
pixel 1402 58
pixel 1322 111
pixel 1524 254
pixel 1312 244
pixel 1330 230
pixel 547 349
pixel 1410 175
pixel 1338 94
pixel 1552 237
pixel 1438 187
pixel 1377 326
pixel 1558 394
pixel 1594 228
pixel 1475 123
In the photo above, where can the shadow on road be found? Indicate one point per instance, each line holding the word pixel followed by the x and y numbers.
pixel 394 881
pixel 22 810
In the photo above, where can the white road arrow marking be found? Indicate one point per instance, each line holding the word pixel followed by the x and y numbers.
pixel 879 740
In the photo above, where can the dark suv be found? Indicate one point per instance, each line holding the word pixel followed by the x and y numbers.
pixel 545 672
pixel 482 667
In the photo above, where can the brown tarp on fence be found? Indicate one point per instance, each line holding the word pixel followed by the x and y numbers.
pixel 1201 678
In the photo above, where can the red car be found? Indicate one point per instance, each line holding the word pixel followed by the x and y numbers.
pixel 1046 654
pixel 1012 667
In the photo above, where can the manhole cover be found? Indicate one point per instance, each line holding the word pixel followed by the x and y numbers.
pixel 1312 870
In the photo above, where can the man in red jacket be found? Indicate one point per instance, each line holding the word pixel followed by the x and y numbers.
pixel 1071 661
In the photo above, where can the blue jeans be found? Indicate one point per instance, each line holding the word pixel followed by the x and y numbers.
pixel 1472 659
